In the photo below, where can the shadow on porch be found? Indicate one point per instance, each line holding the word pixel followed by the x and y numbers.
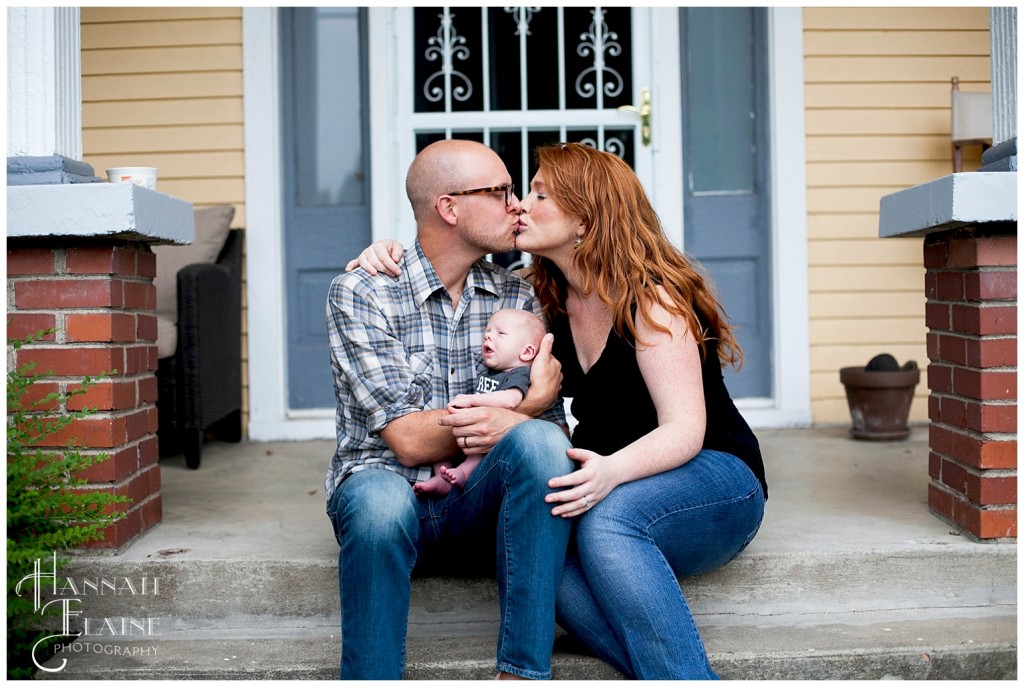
pixel 850 577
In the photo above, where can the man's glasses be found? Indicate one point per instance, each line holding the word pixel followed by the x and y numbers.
pixel 509 189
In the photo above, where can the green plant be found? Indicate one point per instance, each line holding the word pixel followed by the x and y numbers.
pixel 48 510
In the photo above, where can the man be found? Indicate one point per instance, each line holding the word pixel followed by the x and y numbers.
pixel 401 349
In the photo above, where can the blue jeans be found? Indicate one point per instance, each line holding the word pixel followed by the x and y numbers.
pixel 620 595
pixel 383 528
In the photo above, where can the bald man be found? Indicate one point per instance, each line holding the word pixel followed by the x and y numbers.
pixel 401 349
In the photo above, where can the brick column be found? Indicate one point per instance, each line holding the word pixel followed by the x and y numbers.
pixel 971 313
pixel 99 295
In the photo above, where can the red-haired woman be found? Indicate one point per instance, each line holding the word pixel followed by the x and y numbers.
pixel 671 481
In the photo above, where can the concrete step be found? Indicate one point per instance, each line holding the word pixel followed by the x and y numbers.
pixel 850 577
pixel 933 612
pixel 934 577
pixel 903 645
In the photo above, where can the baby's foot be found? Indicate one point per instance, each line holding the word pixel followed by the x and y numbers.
pixel 454 476
pixel 435 486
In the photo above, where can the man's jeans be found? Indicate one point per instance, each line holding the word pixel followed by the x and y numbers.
pixel 383 528
pixel 620 595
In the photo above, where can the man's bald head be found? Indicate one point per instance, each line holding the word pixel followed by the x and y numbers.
pixel 443 167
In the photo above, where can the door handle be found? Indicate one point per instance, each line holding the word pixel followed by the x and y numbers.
pixel 645 114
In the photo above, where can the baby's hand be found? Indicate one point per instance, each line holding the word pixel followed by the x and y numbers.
pixel 461 401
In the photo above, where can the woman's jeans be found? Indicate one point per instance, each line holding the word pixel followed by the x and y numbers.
pixel 383 528
pixel 620 595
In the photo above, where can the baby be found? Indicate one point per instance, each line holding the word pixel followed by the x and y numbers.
pixel 511 340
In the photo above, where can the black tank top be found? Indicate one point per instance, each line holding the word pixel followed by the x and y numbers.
pixel 614 408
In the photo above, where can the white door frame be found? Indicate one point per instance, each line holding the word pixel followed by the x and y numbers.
pixel 791 405
pixel 270 419
pixel 269 415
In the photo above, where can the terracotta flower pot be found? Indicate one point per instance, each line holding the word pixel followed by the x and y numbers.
pixel 879 401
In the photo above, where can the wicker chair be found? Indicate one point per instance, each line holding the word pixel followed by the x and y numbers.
pixel 200 385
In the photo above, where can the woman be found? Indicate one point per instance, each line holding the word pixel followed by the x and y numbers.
pixel 671 481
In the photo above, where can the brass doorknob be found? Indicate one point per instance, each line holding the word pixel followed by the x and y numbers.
pixel 645 114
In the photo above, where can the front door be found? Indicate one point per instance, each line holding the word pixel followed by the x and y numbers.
pixel 513 79
pixel 539 72
pixel 726 187
pixel 326 187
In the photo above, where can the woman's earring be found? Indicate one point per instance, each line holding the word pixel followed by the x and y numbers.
pixel 577 243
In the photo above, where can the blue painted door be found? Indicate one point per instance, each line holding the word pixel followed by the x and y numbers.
pixel 725 166
pixel 327 180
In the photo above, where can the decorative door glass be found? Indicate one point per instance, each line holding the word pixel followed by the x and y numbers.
pixel 522 77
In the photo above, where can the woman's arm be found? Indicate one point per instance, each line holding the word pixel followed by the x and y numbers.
pixel 671 368
pixel 381 256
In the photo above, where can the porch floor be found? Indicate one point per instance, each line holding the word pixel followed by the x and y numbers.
pixel 850 576
pixel 827 493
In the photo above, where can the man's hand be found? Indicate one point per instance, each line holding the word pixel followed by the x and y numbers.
pixel 545 380
pixel 477 430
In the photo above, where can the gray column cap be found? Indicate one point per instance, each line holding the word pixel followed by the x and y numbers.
pixel 98 210
pixel 949 202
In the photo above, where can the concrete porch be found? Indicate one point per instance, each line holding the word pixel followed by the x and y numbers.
pixel 850 577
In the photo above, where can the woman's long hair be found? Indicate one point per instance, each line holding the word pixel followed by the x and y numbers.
pixel 625 253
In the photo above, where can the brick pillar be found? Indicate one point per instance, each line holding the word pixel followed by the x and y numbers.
pixel 971 313
pixel 99 295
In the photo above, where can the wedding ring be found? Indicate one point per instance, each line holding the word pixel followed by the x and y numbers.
pixel 587 499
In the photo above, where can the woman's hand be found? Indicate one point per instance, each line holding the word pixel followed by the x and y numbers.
pixel 595 479
pixel 477 430
pixel 382 256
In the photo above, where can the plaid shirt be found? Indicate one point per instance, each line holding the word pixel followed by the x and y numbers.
pixel 397 348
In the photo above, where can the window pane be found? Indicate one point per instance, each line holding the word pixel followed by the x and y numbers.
pixel 448 36
pixel 621 142
pixel 542 59
pixel 587 136
pixel 720 99
pixel 425 138
pixel 508 146
pixel 616 141
pixel 469 135
pixel 504 58
pixel 537 138
pixel 598 57
pixel 330 164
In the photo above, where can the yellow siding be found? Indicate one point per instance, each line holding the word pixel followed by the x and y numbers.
pixel 877 84
pixel 162 87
